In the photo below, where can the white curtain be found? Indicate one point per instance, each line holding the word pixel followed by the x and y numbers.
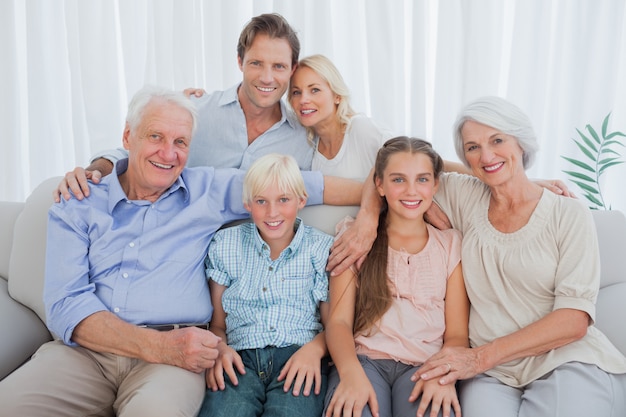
pixel 69 68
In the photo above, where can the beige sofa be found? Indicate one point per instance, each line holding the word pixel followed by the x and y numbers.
pixel 22 252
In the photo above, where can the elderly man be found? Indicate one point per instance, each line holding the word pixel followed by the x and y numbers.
pixel 125 290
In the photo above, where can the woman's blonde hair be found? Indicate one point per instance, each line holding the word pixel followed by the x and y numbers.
pixel 329 73
pixel 281 170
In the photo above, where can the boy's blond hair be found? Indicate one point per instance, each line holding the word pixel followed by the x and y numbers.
pixel 270 169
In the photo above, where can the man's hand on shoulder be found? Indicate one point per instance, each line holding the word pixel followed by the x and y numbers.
pixel 197 92
pixel 77 180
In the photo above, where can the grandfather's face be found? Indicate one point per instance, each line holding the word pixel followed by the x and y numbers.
pixel 158 149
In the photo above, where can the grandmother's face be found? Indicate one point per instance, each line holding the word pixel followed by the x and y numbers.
pixel 493 156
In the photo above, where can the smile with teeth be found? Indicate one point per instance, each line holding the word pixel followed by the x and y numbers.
pixel 274 224
pixel 163 166
pixel 307 111
pixel 494 167
pixel 411 203
pixel 266 89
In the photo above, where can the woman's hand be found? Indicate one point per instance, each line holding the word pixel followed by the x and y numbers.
pixel 227 362
pixel 304 367
pixel 451 364
pixel 352 394
pixel 439 397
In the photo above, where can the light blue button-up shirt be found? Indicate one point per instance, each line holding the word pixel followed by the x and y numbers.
pixel 221 138
pixel 270 302
pixel 140 260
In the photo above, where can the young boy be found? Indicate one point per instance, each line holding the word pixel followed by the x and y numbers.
pixel 269 290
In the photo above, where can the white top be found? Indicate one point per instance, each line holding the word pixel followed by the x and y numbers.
pixel 514 279
pixel 358 151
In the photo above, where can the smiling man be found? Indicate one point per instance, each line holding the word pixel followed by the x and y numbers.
pixel 244 122
pixel 125 289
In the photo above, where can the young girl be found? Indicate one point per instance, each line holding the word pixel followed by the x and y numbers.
pixel 407 301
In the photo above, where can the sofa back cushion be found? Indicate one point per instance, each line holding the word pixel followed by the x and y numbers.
pixel 26 267
pixel 611 305
pixel 10 211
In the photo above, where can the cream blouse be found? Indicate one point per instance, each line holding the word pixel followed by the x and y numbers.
pixel 515 279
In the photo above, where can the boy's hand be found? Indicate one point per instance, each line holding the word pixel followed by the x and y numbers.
pixel 439 397
pixel 224 364
pixel 304 367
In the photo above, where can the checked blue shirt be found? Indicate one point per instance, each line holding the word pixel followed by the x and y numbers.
pixel 270 303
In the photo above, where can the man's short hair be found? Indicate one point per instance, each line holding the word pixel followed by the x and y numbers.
pixel 273 25
pixel 281 170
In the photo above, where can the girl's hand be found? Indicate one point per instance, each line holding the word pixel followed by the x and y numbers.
pixel 351 396
pixel 304 367
pixel 439 397
pixel 227 361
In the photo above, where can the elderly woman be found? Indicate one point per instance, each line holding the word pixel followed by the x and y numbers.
pixel 532 272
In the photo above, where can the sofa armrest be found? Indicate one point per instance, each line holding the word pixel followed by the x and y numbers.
pixel 22 332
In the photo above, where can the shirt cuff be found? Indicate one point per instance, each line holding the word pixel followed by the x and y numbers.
pixel 314 184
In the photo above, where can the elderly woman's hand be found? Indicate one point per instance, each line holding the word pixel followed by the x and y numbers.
pixel 556 186
pixel 451 364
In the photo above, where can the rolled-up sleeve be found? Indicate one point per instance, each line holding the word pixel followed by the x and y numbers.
pixel 69 296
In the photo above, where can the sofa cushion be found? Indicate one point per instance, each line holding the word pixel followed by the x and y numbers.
pixel 26 266
pixel 9 212
pixel 611 305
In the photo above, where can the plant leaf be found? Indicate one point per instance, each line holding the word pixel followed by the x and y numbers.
pixel 580 176
pixel 605 125
pixel 613 142
pixel 586 151
pixel 593 200
pixel 604 167
pixel 607 160
pixel 587 141
pixel 593 133
pixel 579 164
pixel 586 187
pixel 609 150
pixel 612 135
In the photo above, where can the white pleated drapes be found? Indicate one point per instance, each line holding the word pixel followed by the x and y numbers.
pixel 69 68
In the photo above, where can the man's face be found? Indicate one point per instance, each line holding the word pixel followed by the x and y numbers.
pixel 157 150
pixel 266 69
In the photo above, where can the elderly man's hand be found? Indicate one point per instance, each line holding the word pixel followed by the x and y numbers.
pixel 190 348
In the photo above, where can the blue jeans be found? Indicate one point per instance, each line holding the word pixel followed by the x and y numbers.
pixel 259 393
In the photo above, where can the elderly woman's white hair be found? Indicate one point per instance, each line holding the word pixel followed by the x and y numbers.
pixel 155 94
pixel 501 115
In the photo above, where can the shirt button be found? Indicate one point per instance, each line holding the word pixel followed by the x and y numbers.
pixel 116 310
pixel 264 289
pixel 271 268
pixel 125 275
pixel 131 244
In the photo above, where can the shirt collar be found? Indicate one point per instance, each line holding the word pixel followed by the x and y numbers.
pixel 287 115
pixel 116 192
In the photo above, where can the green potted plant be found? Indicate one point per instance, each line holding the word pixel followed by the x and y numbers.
pixel 600 154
